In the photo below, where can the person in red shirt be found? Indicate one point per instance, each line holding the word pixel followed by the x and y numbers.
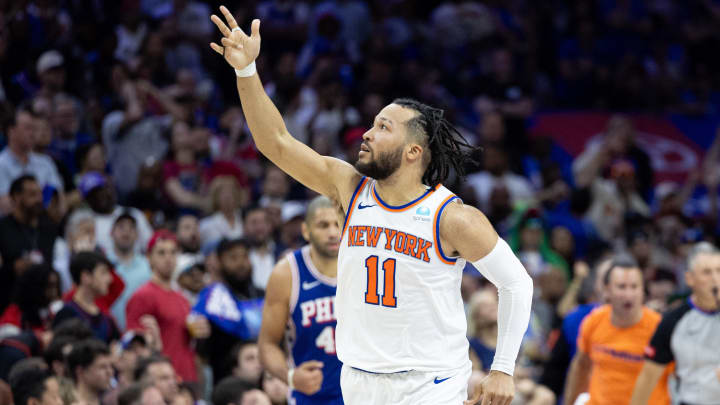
pixel 156 302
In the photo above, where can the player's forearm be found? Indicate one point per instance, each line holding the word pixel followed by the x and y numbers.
pixel 273 360
pixel 265 122
pixel 515 290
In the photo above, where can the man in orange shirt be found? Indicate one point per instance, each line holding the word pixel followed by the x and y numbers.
pixel 612 341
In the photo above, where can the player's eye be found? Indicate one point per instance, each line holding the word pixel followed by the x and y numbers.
pixel 382 126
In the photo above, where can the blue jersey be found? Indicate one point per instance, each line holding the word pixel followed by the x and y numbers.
pixel 311 327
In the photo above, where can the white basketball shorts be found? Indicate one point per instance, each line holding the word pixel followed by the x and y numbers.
pixel 409 387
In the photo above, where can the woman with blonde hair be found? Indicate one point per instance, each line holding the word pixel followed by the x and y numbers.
pixel 227 198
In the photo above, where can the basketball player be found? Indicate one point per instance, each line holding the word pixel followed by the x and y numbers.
pixel 300 295
pixel 404 242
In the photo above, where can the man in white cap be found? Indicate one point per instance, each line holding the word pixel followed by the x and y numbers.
pixel 50 69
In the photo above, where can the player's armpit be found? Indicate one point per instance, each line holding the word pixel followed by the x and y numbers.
pixel 466 231
pixel 275 316
pixel 646 382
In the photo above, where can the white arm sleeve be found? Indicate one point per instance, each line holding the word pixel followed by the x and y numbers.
pixel 515 290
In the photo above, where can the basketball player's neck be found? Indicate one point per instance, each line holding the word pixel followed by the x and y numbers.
pixel 400 188
pixel 325 265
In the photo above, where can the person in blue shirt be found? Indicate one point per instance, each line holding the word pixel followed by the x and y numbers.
pixel 232 306
pixel 300 311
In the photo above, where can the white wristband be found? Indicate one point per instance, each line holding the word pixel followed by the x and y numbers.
pixel 291 373
pixel 247 71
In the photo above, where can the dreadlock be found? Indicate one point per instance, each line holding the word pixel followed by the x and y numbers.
pixel 448 148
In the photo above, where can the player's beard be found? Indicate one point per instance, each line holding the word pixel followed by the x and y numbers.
pixel 321 248
pixel 383 166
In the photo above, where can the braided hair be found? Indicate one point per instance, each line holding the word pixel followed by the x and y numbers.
pixel 448 148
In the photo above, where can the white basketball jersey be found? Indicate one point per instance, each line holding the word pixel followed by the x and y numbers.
pixel 398 300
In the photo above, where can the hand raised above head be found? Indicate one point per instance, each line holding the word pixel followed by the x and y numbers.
pixel 238 49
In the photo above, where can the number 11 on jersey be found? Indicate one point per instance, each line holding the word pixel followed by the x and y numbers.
pixel 371 296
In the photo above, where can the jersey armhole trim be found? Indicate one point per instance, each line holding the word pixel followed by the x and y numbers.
pixel 436 231
pixel 351 205
pixel 295 287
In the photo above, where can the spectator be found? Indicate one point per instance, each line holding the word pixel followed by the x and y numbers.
pixel 67 134
pixel 18 158
pixel 496 172
pixel 101 199
pixel 258 229
pixel 191 281
pixel 158 371
pixel 275 388
pixel 37 385
pixel 188 238
pixel 239 319
pixel 27 236
pixel 247 363
pixel 50 68
pixel 233 390
pixel 90 365
pixel 140 394
pixel 35 301
pixel 15 349
pixel 611 340
pixel 184 177
pixel 130 265
pixel 90 157
pixel 614 199
pixel 79 236
pixel 482 328
pixel 134 349
pixel 167 307
pixel 130 138
pixel 617 143
pixel 226 220
pixel 91 274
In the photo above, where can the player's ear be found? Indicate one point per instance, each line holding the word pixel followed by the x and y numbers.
pixel 414 152
pixel 305 232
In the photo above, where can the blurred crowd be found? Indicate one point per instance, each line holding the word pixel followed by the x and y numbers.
pixel 126 158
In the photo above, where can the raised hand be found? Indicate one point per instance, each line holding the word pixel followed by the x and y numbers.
pixel 238 49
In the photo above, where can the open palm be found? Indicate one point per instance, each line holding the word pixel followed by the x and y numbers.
pixel 238 49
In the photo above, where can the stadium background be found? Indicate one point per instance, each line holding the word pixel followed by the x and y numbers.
pixel 598 120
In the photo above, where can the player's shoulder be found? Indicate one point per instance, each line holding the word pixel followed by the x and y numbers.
pixel 280 282
pixel 457 213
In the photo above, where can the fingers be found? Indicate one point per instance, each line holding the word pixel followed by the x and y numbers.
pixel 221 25
pixel 217 48
pixel 229 17
pixel 313 364
pixel 229 43
pixel 255 29
pixel 487 400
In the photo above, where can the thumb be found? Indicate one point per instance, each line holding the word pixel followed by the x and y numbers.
pixel 312 364
pixel 255 29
